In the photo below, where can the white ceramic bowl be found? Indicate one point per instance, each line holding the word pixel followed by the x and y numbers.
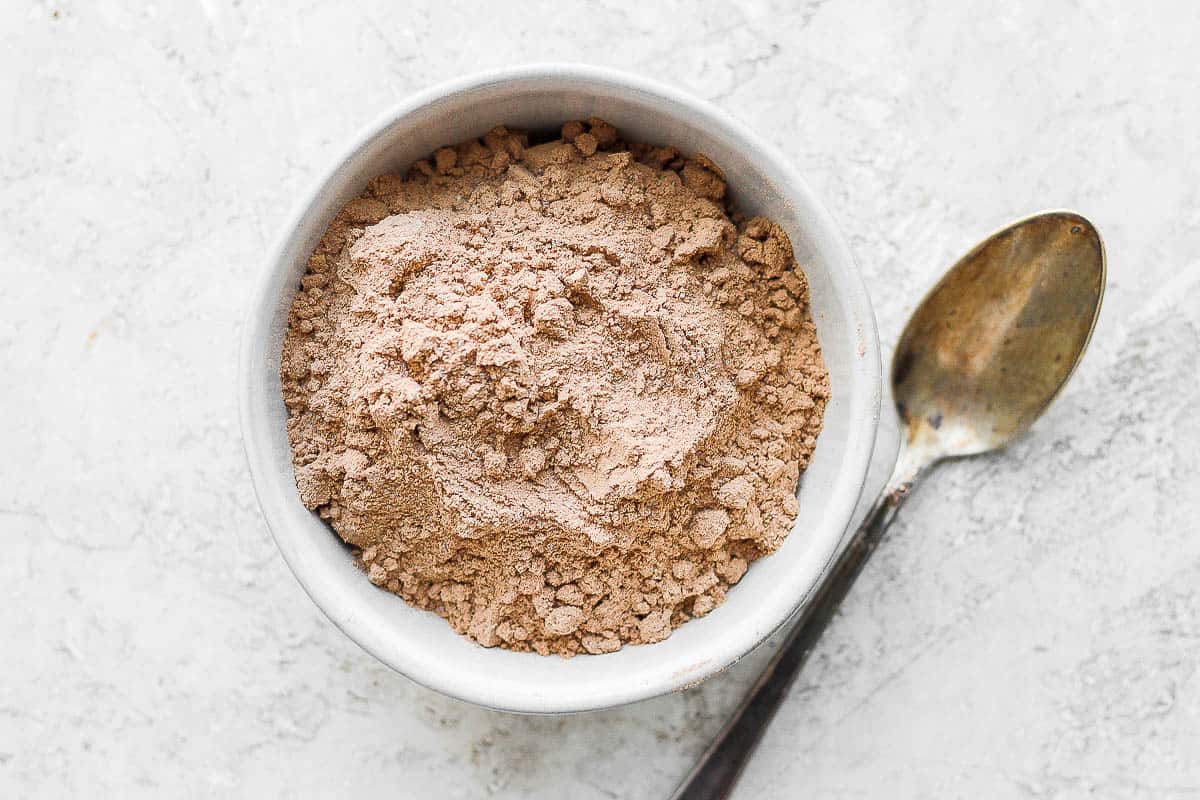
pixel 420 644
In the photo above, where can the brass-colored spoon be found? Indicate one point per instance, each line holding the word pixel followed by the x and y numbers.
pixel 979 361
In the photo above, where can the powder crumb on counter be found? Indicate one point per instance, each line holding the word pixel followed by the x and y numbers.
pixel 555 392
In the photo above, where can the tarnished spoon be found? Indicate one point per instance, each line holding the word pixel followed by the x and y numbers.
pixel 981 358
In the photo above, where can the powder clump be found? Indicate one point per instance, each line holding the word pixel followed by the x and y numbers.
pixel 555 392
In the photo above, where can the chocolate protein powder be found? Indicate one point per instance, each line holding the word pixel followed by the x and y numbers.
pixel 558 393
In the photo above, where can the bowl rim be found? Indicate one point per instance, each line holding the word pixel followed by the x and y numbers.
pixel 864 410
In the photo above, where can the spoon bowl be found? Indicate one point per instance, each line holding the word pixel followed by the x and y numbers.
pixel 998 337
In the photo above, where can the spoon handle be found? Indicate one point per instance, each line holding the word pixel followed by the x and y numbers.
pixel 719 768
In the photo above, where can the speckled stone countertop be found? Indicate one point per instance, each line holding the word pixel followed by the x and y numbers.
pixel 1031 627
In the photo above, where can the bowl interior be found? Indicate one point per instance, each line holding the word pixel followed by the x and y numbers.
pixel 420 644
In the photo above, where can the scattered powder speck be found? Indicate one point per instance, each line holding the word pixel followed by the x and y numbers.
pixel 556 393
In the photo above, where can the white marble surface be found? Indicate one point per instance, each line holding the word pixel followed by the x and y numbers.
pixel 1030 629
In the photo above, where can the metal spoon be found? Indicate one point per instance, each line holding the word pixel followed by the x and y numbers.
pixel 979 361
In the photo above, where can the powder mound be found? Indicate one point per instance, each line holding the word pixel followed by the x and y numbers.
pixel 554 392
